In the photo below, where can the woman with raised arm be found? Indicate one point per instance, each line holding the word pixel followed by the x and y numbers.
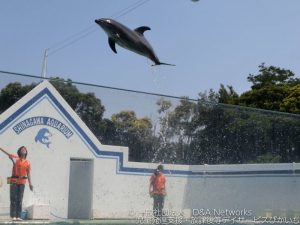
pixel 20 174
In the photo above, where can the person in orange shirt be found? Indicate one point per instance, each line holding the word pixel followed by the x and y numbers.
pixel 157 190
pixel 20 174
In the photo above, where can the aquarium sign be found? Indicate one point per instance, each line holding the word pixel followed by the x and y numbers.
pixel 43 121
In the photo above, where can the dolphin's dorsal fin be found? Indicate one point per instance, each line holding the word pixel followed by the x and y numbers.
pixel 112 45
pixel 142 29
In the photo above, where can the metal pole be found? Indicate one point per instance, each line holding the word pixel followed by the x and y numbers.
pixel 44 68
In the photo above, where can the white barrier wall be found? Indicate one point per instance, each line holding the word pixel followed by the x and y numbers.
pixel 258 194
pixel 54 134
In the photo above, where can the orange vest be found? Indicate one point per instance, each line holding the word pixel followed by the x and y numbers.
pixel 20 170
pixel 159 184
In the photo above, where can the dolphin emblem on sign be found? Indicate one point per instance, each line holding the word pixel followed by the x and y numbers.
pixel 43 137
pixel 132 40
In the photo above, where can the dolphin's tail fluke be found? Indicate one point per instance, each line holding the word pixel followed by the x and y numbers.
pixel 161 63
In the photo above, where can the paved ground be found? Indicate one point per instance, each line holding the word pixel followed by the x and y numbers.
pixel 66 222
pixel 117 222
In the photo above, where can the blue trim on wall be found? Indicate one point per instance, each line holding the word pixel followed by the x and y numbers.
pixel 119 156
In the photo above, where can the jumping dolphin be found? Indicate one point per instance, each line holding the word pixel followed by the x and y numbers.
pixel 132 40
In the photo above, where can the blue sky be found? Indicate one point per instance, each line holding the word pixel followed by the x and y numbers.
pixel 210 41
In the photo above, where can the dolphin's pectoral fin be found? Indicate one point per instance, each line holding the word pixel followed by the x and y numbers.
pixel 112 45
pixel 142 29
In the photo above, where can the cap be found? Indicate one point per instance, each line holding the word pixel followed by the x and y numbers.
pixel 160 167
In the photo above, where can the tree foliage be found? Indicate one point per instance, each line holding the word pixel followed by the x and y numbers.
pixel 270 76
pixel 136 133
pixel 272 89
pixel 87 106
pixel 213 130
pixel 220 127
pixel 12 93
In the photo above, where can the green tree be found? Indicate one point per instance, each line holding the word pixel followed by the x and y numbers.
pixel 227 95
pixel 87 106
pixel 291 103
pixel 174 135
pixel 136 133
pixel 267 97
pixel 268 158
pixel 206 132
pixel 217 128
pixel 270 88
pixel 272 76
pixel 12 93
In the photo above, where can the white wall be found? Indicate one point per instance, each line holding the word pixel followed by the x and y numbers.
pixel 259 194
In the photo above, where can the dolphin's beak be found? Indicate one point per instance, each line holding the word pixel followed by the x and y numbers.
pixel 103 21
pixel 98 21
